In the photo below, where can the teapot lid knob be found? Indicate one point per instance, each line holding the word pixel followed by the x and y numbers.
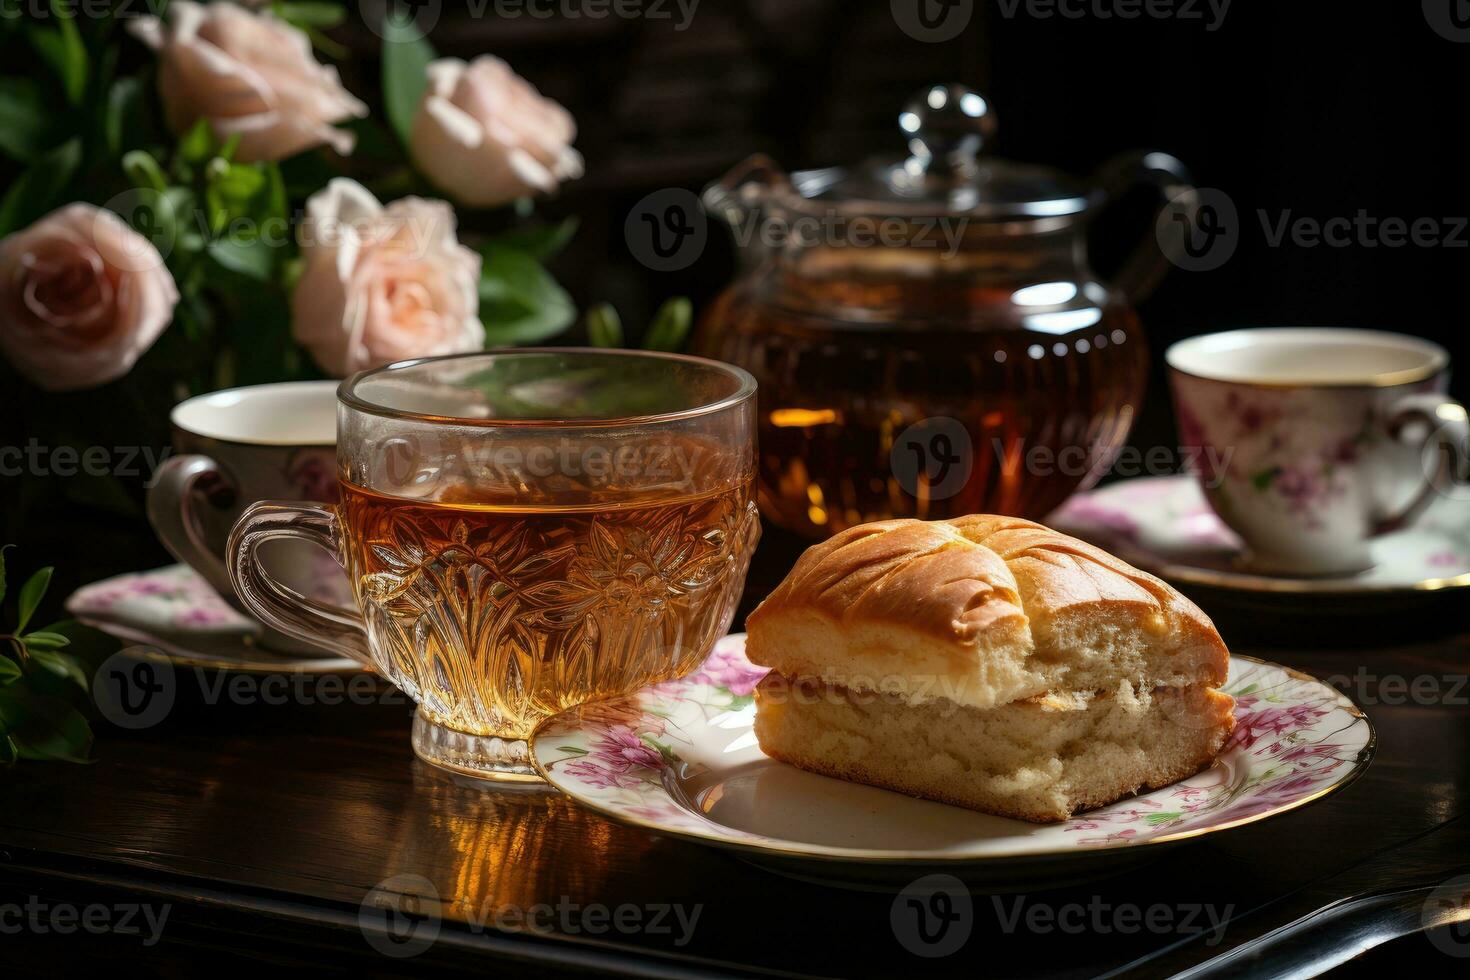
pixel 949 123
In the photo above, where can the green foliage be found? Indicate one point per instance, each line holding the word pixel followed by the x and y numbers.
pixel 39 187
pixel 604 326
pixel 42 682
pixel 406 55
pixel 75 128
pixel 60 45
pixel 520 303
pixel 668 330
pixel 25 119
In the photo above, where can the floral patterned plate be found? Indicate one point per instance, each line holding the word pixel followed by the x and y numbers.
pixel 680 758
pixel 172 614
pixel 1163 525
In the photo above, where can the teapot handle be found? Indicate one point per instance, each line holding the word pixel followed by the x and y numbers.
pixel 1147 263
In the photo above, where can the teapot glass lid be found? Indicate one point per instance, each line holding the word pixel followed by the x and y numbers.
pixel 948 129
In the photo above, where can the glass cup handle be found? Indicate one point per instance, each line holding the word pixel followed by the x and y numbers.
pixel 278 605
pixel 1437 421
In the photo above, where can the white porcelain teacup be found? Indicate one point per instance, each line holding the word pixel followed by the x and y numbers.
pixel 1315 440
pixel 234 448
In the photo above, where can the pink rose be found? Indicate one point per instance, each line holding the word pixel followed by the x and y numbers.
pixel 383 284
pixel 249 74
pixel 486 136
pixel 82 296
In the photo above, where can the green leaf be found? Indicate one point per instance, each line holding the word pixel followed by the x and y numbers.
pixel 60 664
pixel 24 118
pixel 238 181
pixel 44 728
pixel 35 191
pixel 541 241
pixel 31 595
pixel 310 13
pixel 520 302
pixel 44 640
pixel 571 749
pixel 604 327
pixel 8 752
pixel 406 57
pixel 62 48
pixel 3 549
pixel 9 670
pixel 143 171
pixel 670 325
pixel 198 144
pixel 251 258
pixel 124 106
pixel 231 146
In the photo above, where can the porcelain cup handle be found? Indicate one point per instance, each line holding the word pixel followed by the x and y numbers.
pixel 1438 425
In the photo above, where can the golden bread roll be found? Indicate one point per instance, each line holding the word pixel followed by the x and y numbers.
pixel 986 661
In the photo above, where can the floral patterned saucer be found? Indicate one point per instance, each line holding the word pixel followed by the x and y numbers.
pixel 680 758
pixel 171 613
pixel 1163 525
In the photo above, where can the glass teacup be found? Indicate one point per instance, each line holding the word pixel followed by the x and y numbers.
pixel 524 531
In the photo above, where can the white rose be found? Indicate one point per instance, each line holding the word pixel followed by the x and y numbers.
pixel 82 296
pixel 249 74
pixel 382 284
pixel 485 136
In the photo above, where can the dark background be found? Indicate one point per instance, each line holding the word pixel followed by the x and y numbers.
pixel 1315 106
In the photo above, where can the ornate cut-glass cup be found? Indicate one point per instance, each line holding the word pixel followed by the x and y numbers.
pixel 524 531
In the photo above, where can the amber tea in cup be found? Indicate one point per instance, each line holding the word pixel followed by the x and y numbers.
pixel 525 531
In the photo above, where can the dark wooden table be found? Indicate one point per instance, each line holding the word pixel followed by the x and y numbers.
pixel 285 834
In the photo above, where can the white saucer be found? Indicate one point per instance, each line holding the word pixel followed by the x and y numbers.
pixel 171 613
pixel 680 758
pixel 1163 525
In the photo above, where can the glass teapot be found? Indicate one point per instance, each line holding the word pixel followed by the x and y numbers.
pixel 928 336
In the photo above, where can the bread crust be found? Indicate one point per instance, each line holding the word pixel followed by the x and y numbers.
pixel 983 595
